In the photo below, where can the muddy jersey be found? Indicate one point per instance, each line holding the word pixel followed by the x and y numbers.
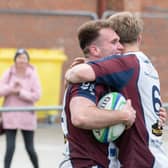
pixel 134 76
pixel 82 149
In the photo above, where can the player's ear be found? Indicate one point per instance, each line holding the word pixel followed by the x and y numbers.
pixel 94 50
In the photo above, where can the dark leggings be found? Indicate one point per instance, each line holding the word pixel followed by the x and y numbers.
pixel 29 145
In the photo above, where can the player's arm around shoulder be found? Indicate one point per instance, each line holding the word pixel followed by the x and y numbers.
pixel 80 73
pixel 85 114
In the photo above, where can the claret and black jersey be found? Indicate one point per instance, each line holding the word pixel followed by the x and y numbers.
pixel 134 76
pixel 82 149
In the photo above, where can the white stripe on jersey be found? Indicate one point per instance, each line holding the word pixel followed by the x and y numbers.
pixel 63 116
pixel 66 163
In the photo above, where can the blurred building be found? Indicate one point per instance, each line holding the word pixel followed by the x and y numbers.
pixel 53 24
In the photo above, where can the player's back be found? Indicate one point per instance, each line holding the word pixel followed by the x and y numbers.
pixel 149 91
pixel 135 77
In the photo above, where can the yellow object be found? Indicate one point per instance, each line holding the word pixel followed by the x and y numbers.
pixel 48 63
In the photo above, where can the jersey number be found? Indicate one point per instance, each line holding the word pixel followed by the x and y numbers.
pixel 156 99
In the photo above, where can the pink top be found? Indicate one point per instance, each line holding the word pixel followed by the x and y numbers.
pixel 29 94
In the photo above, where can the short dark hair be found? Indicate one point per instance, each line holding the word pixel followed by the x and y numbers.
pixel 21 51
pixel 89 31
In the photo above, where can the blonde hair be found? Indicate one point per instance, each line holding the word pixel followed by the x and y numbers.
pixel 127 25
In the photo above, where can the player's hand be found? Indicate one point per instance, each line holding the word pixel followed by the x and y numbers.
pixel 163 116
pixel 78 60
pixel 130 114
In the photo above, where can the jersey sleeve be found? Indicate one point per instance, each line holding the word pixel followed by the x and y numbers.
pixel 113 71
pixel 86 90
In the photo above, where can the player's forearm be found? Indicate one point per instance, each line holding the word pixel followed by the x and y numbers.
pixel 71 76
pixel 80 73
pixel 86 115
pixel 98 119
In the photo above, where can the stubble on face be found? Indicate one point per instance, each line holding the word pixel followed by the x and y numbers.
pixel 108 43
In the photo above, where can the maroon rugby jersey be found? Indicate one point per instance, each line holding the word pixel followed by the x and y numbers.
pixel 134 76
pixel 83 149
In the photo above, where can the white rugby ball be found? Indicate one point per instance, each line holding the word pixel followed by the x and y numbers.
pixel 111 101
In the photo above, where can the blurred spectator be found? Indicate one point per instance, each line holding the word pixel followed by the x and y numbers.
pixel 20 87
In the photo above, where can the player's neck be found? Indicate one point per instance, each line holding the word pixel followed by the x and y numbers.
pixel 131 48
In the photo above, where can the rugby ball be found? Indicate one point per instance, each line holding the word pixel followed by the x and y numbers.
pixel 111 101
